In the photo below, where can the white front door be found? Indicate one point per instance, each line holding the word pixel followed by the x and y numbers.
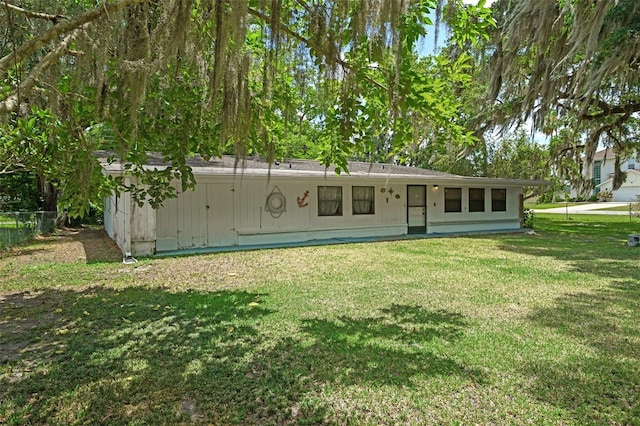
pixel 417 209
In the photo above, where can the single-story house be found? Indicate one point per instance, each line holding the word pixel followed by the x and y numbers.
pixel 296 201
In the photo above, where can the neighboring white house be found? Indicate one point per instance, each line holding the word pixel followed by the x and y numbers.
pixel 297 201
pixel 603 170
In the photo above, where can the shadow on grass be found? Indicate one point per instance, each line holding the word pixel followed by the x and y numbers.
pixel 21 251
pixel 26 247
pixel 603 382
pixel 148 356
pixel 390 349
pixel 105 356
pixel 96 245
pixel 591 245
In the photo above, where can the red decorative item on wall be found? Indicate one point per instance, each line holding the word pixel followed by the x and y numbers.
pixel 302 202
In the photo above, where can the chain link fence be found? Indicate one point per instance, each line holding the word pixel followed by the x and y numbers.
pixel 17 227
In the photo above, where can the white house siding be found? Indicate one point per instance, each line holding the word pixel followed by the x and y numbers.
pixel 131 226
pixel 390 212
pixel 192 218
pixel 143 229
pixel 221 214
pixel 439 221
pixel 167 225
pixel 629 190
pixel 607 168
pixel 114 220
pixel 627 194
pixel 196 219
pixel 237 213
pixel 227 211
pixel 256 225
pixel 109 209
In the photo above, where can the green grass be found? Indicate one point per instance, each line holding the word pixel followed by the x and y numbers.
pixel 501 329
pixel 635 207
pixel 545 206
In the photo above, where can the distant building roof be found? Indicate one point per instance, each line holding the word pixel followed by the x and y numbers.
pixel 604 154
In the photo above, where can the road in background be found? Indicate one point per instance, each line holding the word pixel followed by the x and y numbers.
pixel 587 208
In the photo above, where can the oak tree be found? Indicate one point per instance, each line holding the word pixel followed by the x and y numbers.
pixel 207 77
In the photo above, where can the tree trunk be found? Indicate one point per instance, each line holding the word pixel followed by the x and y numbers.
pixel 49 194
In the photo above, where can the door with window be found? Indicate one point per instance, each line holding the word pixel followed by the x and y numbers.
pixel 417 209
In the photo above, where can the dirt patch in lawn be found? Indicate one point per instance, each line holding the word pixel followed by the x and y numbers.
pixel 67 245
pixel 25 322
pixel 25 314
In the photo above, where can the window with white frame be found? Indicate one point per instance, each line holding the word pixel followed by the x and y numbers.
pixel 476 199
pixel 498 200
pixel 329 201
pixel 363 199
pixel 631 163
pixel 453 200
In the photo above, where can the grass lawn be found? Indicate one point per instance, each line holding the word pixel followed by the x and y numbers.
pixel 500 329
pixel 544 206
pixel 635 207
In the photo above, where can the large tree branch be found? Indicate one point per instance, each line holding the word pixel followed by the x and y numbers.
pixel 607 110
pixel 11 168
pixel 26 86
pixel 32 14
pixel 61 28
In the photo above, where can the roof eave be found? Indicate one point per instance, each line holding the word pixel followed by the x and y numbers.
pixel 117 169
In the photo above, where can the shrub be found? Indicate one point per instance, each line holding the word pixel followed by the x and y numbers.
pixel 604 195
pixel 93 217
pixel 528 218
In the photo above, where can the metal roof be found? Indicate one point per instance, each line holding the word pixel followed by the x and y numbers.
pixel 228 165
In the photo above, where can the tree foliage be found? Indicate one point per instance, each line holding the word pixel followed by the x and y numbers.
pixel 19 192
pixel 517 156
pixel 573 69
pixel 250 77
